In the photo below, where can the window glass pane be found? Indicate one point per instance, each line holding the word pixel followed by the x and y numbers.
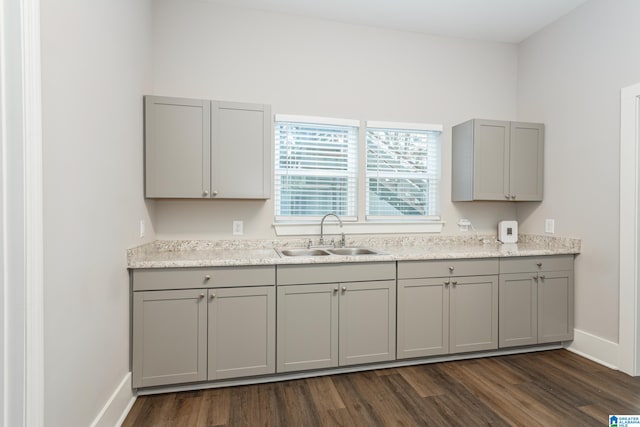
pixel 403 172
pixel 315 169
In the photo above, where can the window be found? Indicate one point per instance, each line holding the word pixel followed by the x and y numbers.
pixel 316 170
pixel 315 167
pixel 403 171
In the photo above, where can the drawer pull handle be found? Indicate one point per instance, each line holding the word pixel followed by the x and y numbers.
pixel 455 282
pixel 201 296
pixel 539 264
pixel 542 277
pixel 447 283
pixel 451 268
pixel 207 277
pixel 535 278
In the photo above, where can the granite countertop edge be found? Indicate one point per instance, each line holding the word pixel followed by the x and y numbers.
pixel 230 253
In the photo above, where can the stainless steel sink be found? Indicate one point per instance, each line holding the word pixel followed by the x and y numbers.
pixel 302 252
pixel 353 251
pixel 313 252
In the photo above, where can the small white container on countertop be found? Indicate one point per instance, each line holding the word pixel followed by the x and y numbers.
pixel 508 231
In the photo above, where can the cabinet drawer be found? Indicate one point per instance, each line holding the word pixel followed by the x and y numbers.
pixel 444 268
pixel 334 273
pixel 184 278
pixel 536 263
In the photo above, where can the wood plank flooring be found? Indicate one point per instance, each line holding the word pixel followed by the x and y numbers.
pixel 551 388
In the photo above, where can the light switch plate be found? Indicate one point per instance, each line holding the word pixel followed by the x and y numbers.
pixel 550 226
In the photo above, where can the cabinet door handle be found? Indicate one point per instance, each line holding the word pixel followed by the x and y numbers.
pixel 212 296
pixel 454 282
pixel 535 278
pixel 513 197
pixel 507 196
pixel 447 283
pixel 201 296
pixel 214 193
pixel 542 277
pixel 335 290
pixel 344 289
pixel 205 193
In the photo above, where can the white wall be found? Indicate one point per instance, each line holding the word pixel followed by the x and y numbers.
pixel 322 68
pixel 95 69
pixel 570 76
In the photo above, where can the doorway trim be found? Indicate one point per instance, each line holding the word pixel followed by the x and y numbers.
pixel 629 321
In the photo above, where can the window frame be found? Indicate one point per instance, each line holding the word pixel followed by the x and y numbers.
pixel 352 182
pixel 360 223
pixel 429 174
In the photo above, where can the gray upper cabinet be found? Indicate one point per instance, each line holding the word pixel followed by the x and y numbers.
pixel 177 146
pixel 497 160
pixel 207 149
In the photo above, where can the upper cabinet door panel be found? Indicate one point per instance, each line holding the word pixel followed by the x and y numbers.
pixel 497 160
pixel 241 150
pixel 491 159
pixel 177 134
pixel 527 156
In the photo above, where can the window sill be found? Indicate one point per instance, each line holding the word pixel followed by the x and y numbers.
pixel 350 228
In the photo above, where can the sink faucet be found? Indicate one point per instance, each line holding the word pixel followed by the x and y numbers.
pixel 322 227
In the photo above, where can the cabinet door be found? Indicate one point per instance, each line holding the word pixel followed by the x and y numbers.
pixel 241 327
pixel 555 306
pixel 473 314
pixel 490 160
pixel 518 309
pixel 169 337
pixel 240 150
pixel 177 147
pixel 423 317
pixel 367 322
pixel 526 159
pixel 307 327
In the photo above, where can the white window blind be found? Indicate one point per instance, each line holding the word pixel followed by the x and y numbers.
pixel 403 171
pixel 315 167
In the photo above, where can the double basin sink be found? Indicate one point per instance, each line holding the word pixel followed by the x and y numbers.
pixel 313 252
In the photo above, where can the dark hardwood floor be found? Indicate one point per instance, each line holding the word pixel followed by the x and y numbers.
pixel 551 388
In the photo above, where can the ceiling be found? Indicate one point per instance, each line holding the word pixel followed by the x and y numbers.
pixel 508 21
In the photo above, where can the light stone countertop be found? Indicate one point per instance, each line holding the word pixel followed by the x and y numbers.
pixel 216 253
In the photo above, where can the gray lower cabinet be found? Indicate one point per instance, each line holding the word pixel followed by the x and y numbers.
pixel 536 300
pixel 169 337
pixel 323 325
pixel 225 328
pixel 196 148
pixel 440 313
pixel 241 328
pixel 497 160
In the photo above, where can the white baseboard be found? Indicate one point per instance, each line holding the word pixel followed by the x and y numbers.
pixel 595 348
pixel 118 406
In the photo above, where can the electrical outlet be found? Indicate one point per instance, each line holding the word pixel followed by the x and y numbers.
pixel 142 228
pixel 464 224
pixel 238 228
pixel 550 226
